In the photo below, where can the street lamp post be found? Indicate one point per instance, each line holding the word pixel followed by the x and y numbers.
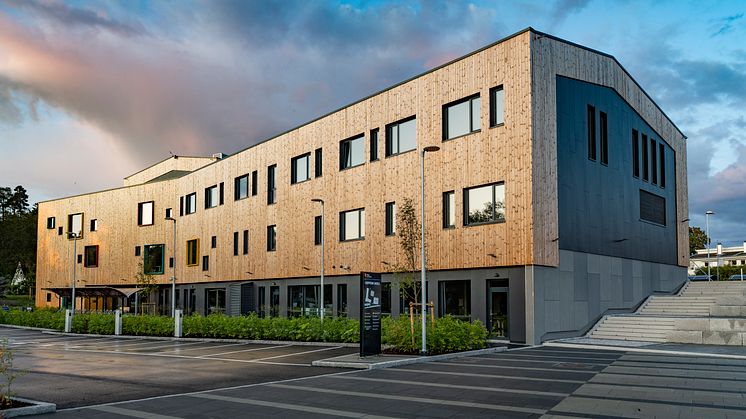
pixel 423 285
pixel 707 233
pixel 321 201
pixel 173 272
pixel 75 237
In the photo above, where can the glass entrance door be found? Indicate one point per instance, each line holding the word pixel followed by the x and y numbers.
pixel 497 307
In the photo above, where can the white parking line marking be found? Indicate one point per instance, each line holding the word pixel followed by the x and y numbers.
pixel 132 413
pixel 570 370
pixel 205 348
pixel 299 353
pixel 245 350
pixel 509 377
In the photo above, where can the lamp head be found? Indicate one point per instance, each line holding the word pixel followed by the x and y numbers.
pixel 317 200
pixel 431 148
pixel 710 212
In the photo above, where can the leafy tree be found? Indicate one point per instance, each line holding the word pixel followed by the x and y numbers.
pixel 488 213
pixel 17 235
pixel 697 239
pixel 725 271
pixel 408 230
pixel 146 282
pixel 5 195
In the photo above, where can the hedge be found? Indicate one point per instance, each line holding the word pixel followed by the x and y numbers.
pixel 448 334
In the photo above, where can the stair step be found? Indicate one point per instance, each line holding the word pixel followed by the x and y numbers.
pixel 640 326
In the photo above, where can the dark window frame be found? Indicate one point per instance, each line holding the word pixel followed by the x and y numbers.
pixel 493 108
pixel 192 258
pixel 345 151
pixel 662 164
pixel 245 244
pixel 214 242
pixel 294 179
pixel 87 258
pixel 645 162
pixel 271 184
pixel 390 224
pixel 209 197
pixel 70 219
pixel 317 230
pixel 494 219
pixel 147 252
pixel 450 105
pixel 51 223
pixel 389 138
pixel 648 217
pixel 635 153
pixel 603 125
pixel 237 196
pixel 653 161
pixel 318 162
pixel 374 135
pixel 141 213
pixel 93 225
pixel 343 224
pixel 448 210
pixel 254 183
pixel 591 125
pixel 272 238
pixel 205 263
pixel 235 243
pixel 190 203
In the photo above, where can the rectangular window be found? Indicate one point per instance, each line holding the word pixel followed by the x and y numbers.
pixel 80 258
pixel 455 299
pixel 652 208
pixel 153 259
pixel 484 204
pixel 645 163
pixel 604 138
pixel 59 230
pixel 386 298
pixel 49 297
pixel 211 197
pixel 75 225
pixel 169 213
pixel 246 242
pixel 449 209
pixel 191 203
pixel 215 301
pixel 192 250
pixel 274 301
pixel 497 106
pixel 352 225
pixel 318 163
pixel 205 263
pixel 262 311
pixel 654 161
pixel 390 218
pixel 317 230
pixel 300 170
pixel 50 223
pixel 352 152
pixel 222 192
pixel 170 262
pixel 591 132
pixel 137 250
pixel 94 225
pixel 341 300
pixel 254 182
pixel 145 213
pixel 271 185
pixel 303 300
pixel 461 117
pixel 271 238
pixel 214 242
pixel 401 136
pixel 181 206
pixel 91 256
pixel 241 187
pixel 374 144
pixel 662 157
pixel 635 154
pixel 235 243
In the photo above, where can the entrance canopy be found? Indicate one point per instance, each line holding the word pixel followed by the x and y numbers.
pixel 94 291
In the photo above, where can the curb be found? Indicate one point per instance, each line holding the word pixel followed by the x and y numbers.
pixel 36 408
pixel 408 361
pixel 642 350
pixel 13 326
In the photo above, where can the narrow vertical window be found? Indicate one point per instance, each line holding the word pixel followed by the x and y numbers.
pixel 645 163
pixel 662 157
pixel 654 161
pixel 246 242
pixel 271 238
pixel 137 250
pixel 181 206
pixel 271 187
pixel 300 170
pixel 317 230
pixel 374 144
pixel 91 257
pixel 211 197
pixel 235 243
pixel 635 154
pixel 214 242
pixel 604 138
pixel 205 263
pixel 192 251
pixel 591 132
pixel 254 182
pixel 449 209
pixel 94 225
pixel 191 203
pixel 222 192
pixel 50 223
pixel 241 187
pixel 390 218
pixel 497 106
pixel 318 161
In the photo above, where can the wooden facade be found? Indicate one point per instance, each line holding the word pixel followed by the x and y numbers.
pixel 518 153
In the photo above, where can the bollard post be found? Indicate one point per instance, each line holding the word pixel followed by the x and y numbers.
pixel 68 321
pixel 178 318
pixel 117 322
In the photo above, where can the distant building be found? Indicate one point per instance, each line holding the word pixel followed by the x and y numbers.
pixel 728 256
pixel 559 191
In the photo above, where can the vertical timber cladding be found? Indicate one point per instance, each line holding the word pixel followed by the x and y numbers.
pixel 551 57
pixel 489 155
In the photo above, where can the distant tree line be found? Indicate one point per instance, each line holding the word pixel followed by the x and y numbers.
pixel 18 223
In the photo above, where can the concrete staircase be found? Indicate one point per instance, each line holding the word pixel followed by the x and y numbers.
pixel 702 312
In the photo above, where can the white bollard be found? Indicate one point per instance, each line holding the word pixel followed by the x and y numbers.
pixel 178 319
pixel 68 321
pixel 117 322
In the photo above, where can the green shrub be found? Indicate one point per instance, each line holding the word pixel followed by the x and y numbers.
pixel 448 335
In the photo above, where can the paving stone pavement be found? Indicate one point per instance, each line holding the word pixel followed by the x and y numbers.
pixel 527 383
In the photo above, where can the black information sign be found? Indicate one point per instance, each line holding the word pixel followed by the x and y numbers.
pixel 370 313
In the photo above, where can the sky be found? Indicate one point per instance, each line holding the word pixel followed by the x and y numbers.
pixel 93 91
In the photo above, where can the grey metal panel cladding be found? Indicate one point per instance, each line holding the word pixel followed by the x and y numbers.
pixel 600 205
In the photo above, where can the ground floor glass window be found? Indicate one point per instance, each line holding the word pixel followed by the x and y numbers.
pixel 215 301
pixel 454 299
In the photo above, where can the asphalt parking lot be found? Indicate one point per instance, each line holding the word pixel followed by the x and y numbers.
pixel 76 371
pixel 527 383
